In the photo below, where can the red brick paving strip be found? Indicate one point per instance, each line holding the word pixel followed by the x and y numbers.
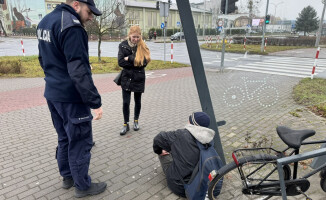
pixel 32 97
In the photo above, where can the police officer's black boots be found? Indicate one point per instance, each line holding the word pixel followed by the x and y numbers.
pixel 125 129
pixel 136 125
pixel 95 188
pixel 67 183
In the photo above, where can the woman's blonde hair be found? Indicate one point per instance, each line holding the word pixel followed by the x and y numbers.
pixel 142 49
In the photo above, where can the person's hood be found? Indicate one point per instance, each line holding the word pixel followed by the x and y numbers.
pixel 202 134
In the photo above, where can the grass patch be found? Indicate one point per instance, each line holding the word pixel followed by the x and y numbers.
pixel 251 49
pixel 28 66
pixel 311 93
pixel 295 114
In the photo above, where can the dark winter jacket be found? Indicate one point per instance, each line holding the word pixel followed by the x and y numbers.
pixel 63 55
pixel 181 144
pixel 132 78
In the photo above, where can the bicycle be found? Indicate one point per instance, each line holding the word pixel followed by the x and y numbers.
pixel 253 173
pixel 265 94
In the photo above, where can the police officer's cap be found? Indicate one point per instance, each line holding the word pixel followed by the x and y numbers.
pixel 91 6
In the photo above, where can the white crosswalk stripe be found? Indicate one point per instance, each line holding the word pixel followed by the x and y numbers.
pixel 285 66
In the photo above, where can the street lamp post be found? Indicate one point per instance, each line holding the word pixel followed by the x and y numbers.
pixel 320 25
pixel 275 6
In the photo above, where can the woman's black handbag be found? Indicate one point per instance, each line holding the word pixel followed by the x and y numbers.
pixel 117 79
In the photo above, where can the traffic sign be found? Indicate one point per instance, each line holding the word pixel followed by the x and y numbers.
pixel 220 23
pixel 248 25
pixel 220 28
pixel 162 25
pixel 178 24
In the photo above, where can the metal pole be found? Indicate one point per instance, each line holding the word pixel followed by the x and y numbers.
pixel 204 19
pixel 196 61
pixel 164 30
pixel 264 29
pixel 223 38
pixel 320 25
pixel 164 42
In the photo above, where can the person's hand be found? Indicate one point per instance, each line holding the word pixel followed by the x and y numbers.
pixel 99 113
pixel 126 58
pixel 164 153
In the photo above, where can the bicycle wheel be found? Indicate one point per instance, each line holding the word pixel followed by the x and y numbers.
pixel 234 96
pixel 267 96
pixel 235 187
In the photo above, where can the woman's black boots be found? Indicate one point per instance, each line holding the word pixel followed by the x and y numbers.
pixel 125 129
pixel 136 125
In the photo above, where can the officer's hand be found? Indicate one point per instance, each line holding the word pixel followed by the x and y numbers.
pixel 99 113
pixel 126 58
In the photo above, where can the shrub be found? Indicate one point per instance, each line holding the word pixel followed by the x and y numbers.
pixel 10 66
pixel 236 31
pixel 276 41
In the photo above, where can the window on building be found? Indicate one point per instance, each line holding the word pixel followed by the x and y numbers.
pixel 136 14
pixel 149 19
pixel 49 6
pixel 170 25
pixel 154 15
pixel 131 15
pixel 7 16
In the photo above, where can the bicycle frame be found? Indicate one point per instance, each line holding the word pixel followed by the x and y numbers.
pixel 296 158
pixel 290 158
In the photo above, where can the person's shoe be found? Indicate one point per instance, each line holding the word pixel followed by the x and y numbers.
pixel 94 189
pixel 67 183
pixel 136 125
pixel 125 129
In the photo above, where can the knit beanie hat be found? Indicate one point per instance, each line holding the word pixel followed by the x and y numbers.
pixel 199 119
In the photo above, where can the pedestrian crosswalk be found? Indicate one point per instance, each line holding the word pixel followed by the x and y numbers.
pixel 285 66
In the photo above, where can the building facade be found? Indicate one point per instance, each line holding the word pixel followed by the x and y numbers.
pixel 51 4
pixel 145 14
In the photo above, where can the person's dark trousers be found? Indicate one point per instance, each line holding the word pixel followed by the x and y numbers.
pixel 165 161
pixel 126 96
pixel 176 188
pixel 72 122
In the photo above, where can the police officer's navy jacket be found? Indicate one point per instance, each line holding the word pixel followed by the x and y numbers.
pixel 63 55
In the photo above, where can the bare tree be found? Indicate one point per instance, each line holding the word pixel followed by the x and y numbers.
pixel 251 6
pixel 111 19
pixel 3 29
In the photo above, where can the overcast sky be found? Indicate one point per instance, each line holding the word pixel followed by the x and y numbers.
pixel 289 9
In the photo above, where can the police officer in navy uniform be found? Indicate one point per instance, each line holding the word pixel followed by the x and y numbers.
pixel 70 91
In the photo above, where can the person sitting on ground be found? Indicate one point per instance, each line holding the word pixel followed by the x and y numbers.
pixel 178 151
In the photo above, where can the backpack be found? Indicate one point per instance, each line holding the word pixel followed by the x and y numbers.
pixel 209 160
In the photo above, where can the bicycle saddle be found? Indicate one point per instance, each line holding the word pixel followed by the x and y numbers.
pixel 293 138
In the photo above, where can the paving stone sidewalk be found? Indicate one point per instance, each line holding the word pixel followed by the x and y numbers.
pixel 28 169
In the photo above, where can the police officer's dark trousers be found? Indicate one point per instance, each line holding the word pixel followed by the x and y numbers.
pixel 72 122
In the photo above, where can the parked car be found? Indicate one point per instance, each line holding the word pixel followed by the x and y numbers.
pixel 177 35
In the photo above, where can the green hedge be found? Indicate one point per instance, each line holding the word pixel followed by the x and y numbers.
pixel 284 41
pixel 236 31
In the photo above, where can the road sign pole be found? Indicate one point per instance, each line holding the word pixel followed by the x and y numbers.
pixel 164 42
pixel 320 25
pixel 223 37
pixel 264 29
